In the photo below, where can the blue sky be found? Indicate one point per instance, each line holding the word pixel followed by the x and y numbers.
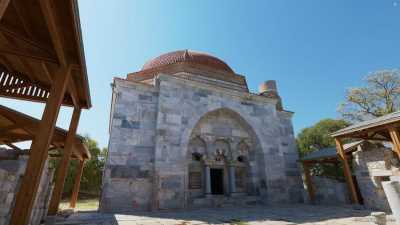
pixel 314 49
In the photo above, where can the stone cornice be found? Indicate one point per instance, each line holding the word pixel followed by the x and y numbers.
pixel 244 96
pixel 284 113
pixel 119 82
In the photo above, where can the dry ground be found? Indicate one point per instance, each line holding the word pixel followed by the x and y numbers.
pixel 254 215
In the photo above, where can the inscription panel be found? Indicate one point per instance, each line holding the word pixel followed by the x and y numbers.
pixel 195 180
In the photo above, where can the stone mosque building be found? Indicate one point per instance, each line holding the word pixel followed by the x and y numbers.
pixel 186 132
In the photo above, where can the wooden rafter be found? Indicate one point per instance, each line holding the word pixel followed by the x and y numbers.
pixel 30 41
pixel 46 72
pixel 29 53
pixel 18 86
pixel 48 10
pixel 3 6
pixel 14 147
pixel 20 11
pixel 73 93
pixel 8 129
pixel 395 138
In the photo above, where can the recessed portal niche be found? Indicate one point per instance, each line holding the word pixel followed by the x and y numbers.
pixel 217 181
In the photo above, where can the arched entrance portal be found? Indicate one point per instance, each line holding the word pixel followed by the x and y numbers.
pixel 222 158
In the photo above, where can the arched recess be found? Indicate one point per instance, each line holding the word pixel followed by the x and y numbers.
pixel 197 150
pixel 226 135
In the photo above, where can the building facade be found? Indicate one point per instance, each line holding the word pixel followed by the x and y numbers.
pixel 185 131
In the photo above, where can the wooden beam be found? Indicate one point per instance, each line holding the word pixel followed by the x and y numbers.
pixel 307 179
pixel 3 7
pixel 362 133
pixel 48 10
pixel 46 72
pixel 9 128
pixel 63 167
pixel 21 12
pixel 28 53
pixel 73 92
pixel 30 182
pixel 347 171
pixel 31 41
pixel 395 136
pixel 14 147
pixel 77 184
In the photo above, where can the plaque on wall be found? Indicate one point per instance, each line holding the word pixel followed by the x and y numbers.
pixel 195 180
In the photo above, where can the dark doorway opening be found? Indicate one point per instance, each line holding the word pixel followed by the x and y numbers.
pixel 217 181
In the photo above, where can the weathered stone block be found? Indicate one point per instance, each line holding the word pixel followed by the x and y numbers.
pixel 171 182
pixel 130 124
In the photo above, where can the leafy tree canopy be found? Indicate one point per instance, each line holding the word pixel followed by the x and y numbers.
pixel 380 96
pixel 318 136
pixel 92 172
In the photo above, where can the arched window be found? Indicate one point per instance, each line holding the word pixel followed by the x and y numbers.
pixel 196 156
pixel 243 149
pixel 241 159
pixel 198 146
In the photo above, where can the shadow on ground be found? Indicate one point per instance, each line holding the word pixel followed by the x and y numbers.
pixel 287 214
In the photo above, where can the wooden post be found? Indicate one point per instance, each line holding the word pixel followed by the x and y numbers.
pixel 394 135
pixel 77 184
pixel 64 163
pixel 30 182
pixel 307 178
pixel 347 172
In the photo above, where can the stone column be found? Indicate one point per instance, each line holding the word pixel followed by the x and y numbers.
pixel 232 181
pixel 208 180
pixel 392 191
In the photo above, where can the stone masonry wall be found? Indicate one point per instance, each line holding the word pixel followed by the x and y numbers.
pixel 127 181
pixel 150 130
pixel 11 172
pixel 370 166
pixel 183 103
pixel 329 191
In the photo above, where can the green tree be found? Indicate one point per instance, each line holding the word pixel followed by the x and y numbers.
pixel 380 96
pixel 318 136
pixel 92 173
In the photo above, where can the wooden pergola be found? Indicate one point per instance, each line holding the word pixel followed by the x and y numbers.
pixel 384 128
pixel 18 127
pixel 323 157
pixel 42 60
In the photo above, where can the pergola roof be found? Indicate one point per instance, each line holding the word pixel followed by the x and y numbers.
pixel 330 153
pixel 374 129
pixel 36 38
pixel 17 127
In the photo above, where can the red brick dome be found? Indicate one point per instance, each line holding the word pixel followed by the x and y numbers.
pixel 189 57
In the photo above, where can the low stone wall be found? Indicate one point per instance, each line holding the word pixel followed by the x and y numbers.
pixel 371 167
pixel 329 191
pixel 11 172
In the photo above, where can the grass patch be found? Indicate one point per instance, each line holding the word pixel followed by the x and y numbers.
pixel 81 205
